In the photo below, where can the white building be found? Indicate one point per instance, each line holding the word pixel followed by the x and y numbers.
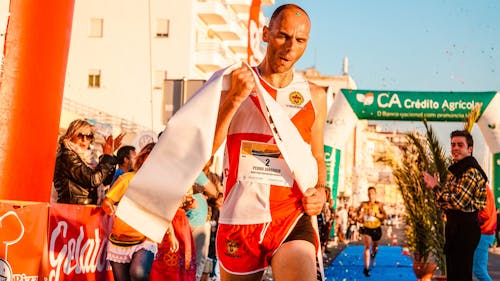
pixel 121 58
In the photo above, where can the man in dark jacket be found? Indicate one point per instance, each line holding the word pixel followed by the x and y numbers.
pixel 461 197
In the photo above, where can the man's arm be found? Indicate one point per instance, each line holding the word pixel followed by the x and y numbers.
pixel 383 214
pixel 315 197
pixel 359 213
pixel 317 131
pixel 242 84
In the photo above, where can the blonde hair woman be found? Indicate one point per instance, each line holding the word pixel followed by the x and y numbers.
pixel 77 174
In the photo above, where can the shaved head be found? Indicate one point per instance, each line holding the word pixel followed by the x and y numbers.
pixel 299 12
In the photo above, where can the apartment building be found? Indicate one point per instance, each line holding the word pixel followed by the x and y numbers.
pixel 133 66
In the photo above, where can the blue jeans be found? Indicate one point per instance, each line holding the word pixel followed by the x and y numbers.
pixel 201 237
pixel 137 270
pixel 480 265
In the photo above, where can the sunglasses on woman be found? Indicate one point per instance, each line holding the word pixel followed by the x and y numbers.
pixel 84 136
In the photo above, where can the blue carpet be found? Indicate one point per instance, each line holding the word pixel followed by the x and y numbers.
pixel 390 265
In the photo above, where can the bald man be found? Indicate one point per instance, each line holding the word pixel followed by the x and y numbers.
pixel 266 220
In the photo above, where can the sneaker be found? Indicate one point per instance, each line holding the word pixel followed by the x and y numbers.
pixel 366 272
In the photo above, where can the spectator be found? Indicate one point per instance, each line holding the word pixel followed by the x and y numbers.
pixel 130 253
pixel 461 196
pixel 342 220
pixel 198 219
pixel 125 158
pixel 488 222
pixel 77 174
pixel 497 232
pixel 176 258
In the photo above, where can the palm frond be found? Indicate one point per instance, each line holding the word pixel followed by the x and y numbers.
pixel 472 117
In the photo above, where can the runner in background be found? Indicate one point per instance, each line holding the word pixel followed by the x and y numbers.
pixel 371 214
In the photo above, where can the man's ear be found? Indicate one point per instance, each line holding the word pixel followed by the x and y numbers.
pixel 265 34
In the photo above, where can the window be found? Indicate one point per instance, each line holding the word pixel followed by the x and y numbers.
pixel 94 78
pixel 162 28
pixel 95 27
pixel 159 79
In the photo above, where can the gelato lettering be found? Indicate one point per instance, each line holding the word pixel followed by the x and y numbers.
pixel 386 100
pixel 76 256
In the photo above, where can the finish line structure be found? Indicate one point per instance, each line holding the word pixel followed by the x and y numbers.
pixel 349 106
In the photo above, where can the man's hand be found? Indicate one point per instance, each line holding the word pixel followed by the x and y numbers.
pixel 242 84
pixel 313 200
pixel 431 181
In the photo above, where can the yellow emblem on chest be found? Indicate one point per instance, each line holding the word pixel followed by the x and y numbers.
pixel 296 98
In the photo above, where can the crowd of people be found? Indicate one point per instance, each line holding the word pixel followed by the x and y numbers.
pixel 260 224
pixel 184 252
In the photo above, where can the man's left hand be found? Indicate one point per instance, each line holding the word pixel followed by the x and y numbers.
pixel 313 200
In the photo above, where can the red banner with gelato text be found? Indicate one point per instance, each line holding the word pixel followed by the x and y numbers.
pixel 77 241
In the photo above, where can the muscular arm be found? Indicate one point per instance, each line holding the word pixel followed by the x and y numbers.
pixel 314 198
pixel 317 143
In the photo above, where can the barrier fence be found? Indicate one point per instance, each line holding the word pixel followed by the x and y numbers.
pixel 53 242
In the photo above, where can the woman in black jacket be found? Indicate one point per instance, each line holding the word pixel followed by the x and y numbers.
pixel 77 174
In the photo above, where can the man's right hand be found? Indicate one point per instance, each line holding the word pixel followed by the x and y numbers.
pixel 431 181
pixel 242 84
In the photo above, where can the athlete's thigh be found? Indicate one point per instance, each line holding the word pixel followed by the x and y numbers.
pixel 294 261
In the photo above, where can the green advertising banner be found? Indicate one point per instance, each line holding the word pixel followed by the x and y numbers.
pixel 496 178
pixel 414 106
pixel 352 105
pixel 332 162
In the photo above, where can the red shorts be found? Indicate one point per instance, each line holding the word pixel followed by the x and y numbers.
pixel 247 249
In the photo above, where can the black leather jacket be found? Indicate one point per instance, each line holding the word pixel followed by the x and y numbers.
pixel 77 183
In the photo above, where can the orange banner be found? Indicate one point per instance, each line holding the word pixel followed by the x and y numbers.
pixel 77 241
pixel 31 92
pixel 253 32
pixel 23 232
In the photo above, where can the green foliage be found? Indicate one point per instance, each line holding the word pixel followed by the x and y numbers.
pixel 424 220
pixel 472 117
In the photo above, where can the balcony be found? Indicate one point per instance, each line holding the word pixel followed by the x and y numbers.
pixel 213 12
pixel 230 31
pixel 240 6
pixel 267 2
pixel 210 57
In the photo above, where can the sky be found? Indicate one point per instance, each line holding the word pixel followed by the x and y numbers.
pixel 425 45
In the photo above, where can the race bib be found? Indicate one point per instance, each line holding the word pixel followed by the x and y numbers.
pixel 263 163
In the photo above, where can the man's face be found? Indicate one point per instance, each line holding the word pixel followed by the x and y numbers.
pixel 372 195
pixel 459 148
pixel 286 39
pixel 130 159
